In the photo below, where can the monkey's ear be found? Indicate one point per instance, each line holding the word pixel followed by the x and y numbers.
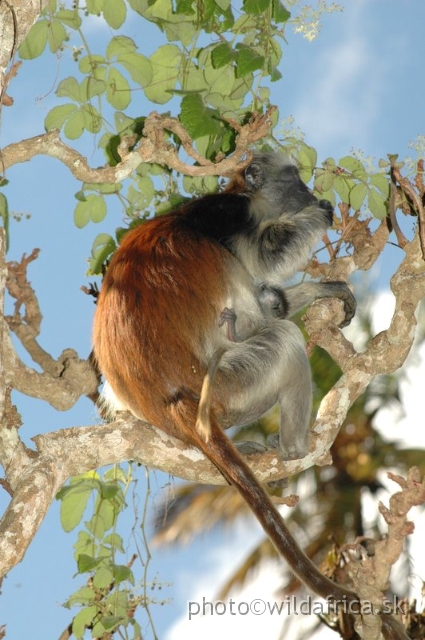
pixel 254 176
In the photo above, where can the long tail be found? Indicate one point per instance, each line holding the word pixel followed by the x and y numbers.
pixel 224 455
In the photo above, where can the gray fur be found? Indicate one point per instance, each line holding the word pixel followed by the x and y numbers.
pixel 264 361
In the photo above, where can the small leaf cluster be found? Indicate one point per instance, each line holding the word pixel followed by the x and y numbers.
pixel 347 181
pixel 106 601
pixel 354 185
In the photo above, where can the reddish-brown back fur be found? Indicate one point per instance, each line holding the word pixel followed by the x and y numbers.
pixel 160 301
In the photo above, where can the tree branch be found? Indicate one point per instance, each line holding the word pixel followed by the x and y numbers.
pixel 371 575
pixel 153 147
pixel 386 352
pixel 14 30
pixel 35 477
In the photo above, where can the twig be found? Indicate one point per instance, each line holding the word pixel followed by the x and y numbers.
pixel 153 147
pixel 417 200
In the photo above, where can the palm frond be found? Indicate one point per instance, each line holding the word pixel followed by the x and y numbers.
pixel 196 509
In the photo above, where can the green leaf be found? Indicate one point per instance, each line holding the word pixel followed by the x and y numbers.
pixel 103 246
pixel 357 196
pixel 324 182
pixel 185 7
pixel 95 6
pixel 197 118
pixel 116 473
pixel 70 17
pixel 115 541
pixel 351 164
pixel 221 55
pixel 69 88
pixel 73 504
pixel 103 578
pixel 84 546
pixel 119 45
pixel 382 183
pixel 103 519
pixel 83 596
pixel 105 188
pixel 114 13
pixel 166 63
pixel 89 88
pixel 220 81
pixel 280 13
pixel 111 622
pixel 121 573
pixel 108 490
pixel 83 619
pixel 307 157
pixel 139 67
pixel 223 4
pixel 117 602
pixel 255 6
pixel 117 90
pixel 87 563
pixel 58 116
pixel 35 42
pixel 141 198
pixel 56 35
pixel 198 186
pixel 274 73
pixel 248 61
pixel 342 187
pixel 93 209
pixel 91 118
pixel 377 206
pixel 74 126
pixel 88 64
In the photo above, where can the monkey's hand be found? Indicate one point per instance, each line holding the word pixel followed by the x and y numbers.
pixel 342 291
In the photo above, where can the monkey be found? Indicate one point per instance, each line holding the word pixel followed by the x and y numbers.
pixel 156 328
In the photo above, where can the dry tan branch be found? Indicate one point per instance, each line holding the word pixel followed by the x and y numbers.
pixel 371 575
pixel 417 201
pixel 153 147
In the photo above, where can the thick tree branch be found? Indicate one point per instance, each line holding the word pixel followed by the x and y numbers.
pixel 153 147
pixel 371 575
pixel 385 353
pixel 35 477
pixel 64 380
pixel 16 19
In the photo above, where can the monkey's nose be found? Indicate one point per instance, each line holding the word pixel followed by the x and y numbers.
pixel 325 204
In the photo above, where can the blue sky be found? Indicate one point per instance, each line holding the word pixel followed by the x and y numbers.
pixel 359 85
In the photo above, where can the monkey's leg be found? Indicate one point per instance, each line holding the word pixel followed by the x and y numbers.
pixel 268 368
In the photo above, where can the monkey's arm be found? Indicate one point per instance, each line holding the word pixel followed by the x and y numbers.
pixel 284 245
pixel 302 295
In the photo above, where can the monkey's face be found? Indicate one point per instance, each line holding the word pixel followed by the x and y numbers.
pixel 275 188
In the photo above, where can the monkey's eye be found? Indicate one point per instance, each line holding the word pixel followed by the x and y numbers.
pixel 290 173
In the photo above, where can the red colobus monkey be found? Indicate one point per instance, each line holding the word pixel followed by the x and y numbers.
pixel 159 322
